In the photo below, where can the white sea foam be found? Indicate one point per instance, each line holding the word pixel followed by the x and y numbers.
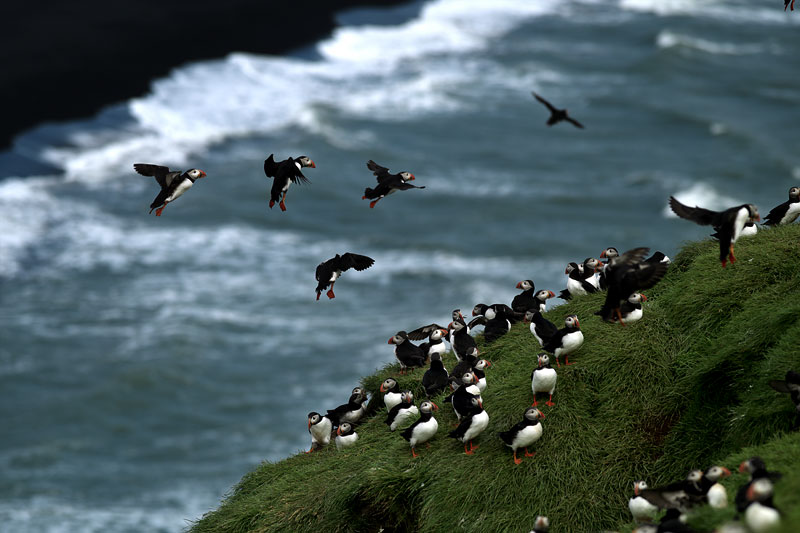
pixel 703 195
pixel 738 11
pixel 667 39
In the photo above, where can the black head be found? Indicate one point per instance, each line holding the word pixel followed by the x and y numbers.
pixel 525 285
pixel 794 193
pixel 388 385
pixel 572 322
pixel 305 161
pixel 344 429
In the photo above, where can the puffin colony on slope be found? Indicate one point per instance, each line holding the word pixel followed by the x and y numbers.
pixel 173 184
pixel 285 173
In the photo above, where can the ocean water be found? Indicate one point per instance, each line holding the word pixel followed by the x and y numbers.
pixel 147 363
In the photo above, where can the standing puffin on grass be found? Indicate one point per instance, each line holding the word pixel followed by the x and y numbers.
pixel 472 425
pixel 566 341
pixel 787 212
pixel 320 429
pixel 352 411
pixel 577 282
pixel 436 378
pixel 541 328
pixel 631 309
pixel 387 183
pixel 391 393
pixel 757 469
pixel 423 429
pixel 524 433
pixel 407 353
pixel 435 344
pixel 285 173
pixel 495 325
pixel 543 379
pixel 173 183
pixel 728 224
pixel 329 271
pixel 524 300
pixel 345 436
pixel 402 412
pixel 761 515
pixel 541 525
pixel 461 340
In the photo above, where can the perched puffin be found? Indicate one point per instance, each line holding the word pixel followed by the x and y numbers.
pixel 680 495
pixel 761 515
pixel 608 254
pixel 461 340
pixel 640 508
pixel 540 300
pixel 757 469
pixel 543 379
pixel 478 369
pixel 541 328
pixel 436 378
pixel 631 309
pixel 285 173
pixel 423 429
pixel 471 425
pixel 435 344
pixel 495 325
pixel 387 183
pixel 728 224
pixel 626 275
pixel 787 212
pixel 345 436
pixel 462 397
pixel 408 354
pixel 320 428
pixel 466 364
pixel 577 283
pixel 524 433
pixel 541 525
pixel 557 115
pixel 591 271
pixel 391 393
pixel 352 411
pixel 329 271
pixel 173 183
pixel 566 340
pixel 402 412
pixel 715 493
pixel 524 300
pixel 790 385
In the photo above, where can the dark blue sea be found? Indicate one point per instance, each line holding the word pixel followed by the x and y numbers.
pixel 147 363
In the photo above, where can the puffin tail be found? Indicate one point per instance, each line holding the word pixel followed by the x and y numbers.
pixel 370 194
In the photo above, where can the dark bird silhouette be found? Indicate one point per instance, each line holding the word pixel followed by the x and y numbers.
pixel 728 224
pixel 387 183
pixel 791 386
pixel 173 183
pixel 285 173
pixel 625 275
pixel 557 115
pixel 329 271
pixel 436 378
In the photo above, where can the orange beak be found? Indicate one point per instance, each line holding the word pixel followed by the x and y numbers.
pixel 643 297
pixel 488 363
pixel 313 165
pixel 435 407
pixel 412 178
pixel 391 340
pixel 742 466
pixel 636 489
pixel 338 431
pixel 382 390
pixel 603 256
pixel 577 324
pixel 443 331
pixel 750 493
pixel 552 294
pixel 519 285
pixel 309 425
pixel 726 472
pixel 480 403
pixel 541 414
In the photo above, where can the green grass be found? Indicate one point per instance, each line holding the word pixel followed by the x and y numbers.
pixel 684 388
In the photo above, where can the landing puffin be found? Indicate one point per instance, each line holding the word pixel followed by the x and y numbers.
pixel 557 115
pixel 173 183
pixel 625 275
pixel 329 271
pixel 391 393
pixel 566 341
pixel 345 436
pixel 543 379
pixel 407 353
pixel 320 429
pixel 640 508
pixel 423 429
pixel 472 425
pixel 790 385
pixel 436 378
pixel 402 412
pixel 524 433
pixel 387 183
pixel 787 212
pixel 728 224
pixel 285 173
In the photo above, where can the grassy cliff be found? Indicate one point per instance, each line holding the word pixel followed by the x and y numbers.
pixel 684 388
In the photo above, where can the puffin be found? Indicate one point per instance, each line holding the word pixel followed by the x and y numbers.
pixel 461 340
pixel 786 3
pixel 541 328
pixel 402 412
pixel 524 300
pixel 577 283
pixel 591 271
pixel 329 271
pixel 466 364
pixel 543 379
pixel 173 183
pixel 391 393
pixel 680 495
pixel 626 275
pixel 285 173
pixel 478 369
pixel 524 433
pixel 320 429
pixel 407 353
pixel 435 344
pixel 728 224
pixel 566 340
pixel 387 183
pixel 757 469
pixel 495 325
pixel 761 515
pixel 540 300
pixel 715 493
pixel 790 385
pixel 640 508
pixel 423 429
pixel 608 254
pixel 631 309
pixel 345 436
pixel 462 397
pixel 557 115
pixel 541 525
pixel 350 412
pixel 436 378
pixel 472 425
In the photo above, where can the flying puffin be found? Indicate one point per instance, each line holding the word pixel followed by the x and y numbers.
pixel 761 515
pixel 728 224
pixel 541 525
pixel 640 508
pixel 787 212
pixel 757 469
pixel 566 340
pixel 352 411
pixel 345 436
pixel 626 275
pixel 391 393
pixel 557 115
pixel 408 354
pixel 402 412
pixel 436 378
pixel 790 385
pixel 495 325
pixel 173 183
pixel 524 433
pixel 285 173
pixel 387 183
pixel 320 428
pixel 541 328
pixel 423 429
pixel 631 309
pixel 543 379
pixel 524 300
pixel 471 425
pixel 435 344
pixel 329 271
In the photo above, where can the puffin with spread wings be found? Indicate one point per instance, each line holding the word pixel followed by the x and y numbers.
pixel 387 183
pixel 173 183
pixel 285 173
pixel 329 271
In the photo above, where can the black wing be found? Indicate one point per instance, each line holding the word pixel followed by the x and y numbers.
pixel 380 172
pixel 575 123
pixel 424 332
pixel 775 215
pixel 588 287
pixel 553 342
pixel 404 186
pixel 477 321
pixel 409 431
pixel 545 102
pixel 155 171
pixel 667 497
pixel 270 167
pixel 359 262
pixel 698 215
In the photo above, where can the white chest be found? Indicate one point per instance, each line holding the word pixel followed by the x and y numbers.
pixel 569 343
pixel 760 518
pixel 424 431
pixel 437 348
pixel 544 380
pixel 390 399
pixel 641 509
pixel 738 225
pixel 321 432
pixel 346 441
pixel 791 214
pixel 403 416
pixel 527 436
pixel 633 316
pixel 184 186
pixel 575 287
pixel 478 425
pixel 717 497
pixel 335 275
